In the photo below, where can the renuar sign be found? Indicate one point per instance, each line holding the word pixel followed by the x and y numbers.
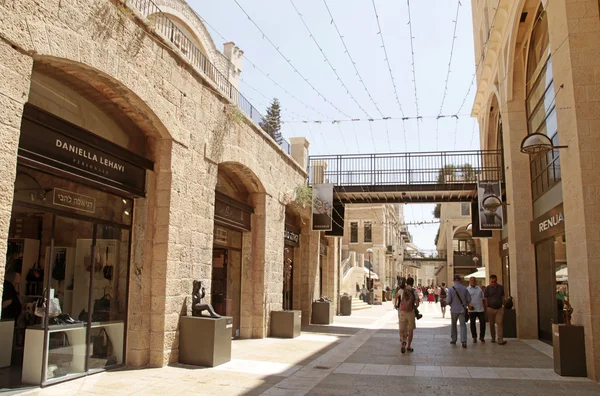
pixel 548 225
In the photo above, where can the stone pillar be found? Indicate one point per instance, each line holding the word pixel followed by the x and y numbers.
pixel 236 59
pixel 300 151
pixel 330 288
pixel 310 242
pixel 574 39
pixel 267 262
pixel 450 256
pixel 490 255
pixel 519 210
pixel 15 79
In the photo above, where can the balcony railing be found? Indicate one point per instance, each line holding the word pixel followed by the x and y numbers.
pixel 169 31
pixel 467 260
pixel 445 167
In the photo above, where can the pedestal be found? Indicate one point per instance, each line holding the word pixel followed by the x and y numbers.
pixel 568 342
pixel 322 313
pixel 286 324
pixel 205 341
pixel 7 329
pixel 346 305
pixel 510 323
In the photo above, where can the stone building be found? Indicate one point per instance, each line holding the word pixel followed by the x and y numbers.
pixel 455 242
pixel 132 166
pixel 379 228
pixel 537 73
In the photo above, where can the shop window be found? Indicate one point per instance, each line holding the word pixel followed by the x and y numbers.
pixel 541 112
pixel 465 209
pixel 368 232
pixel 354 232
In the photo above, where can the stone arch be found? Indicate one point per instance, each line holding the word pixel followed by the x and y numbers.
pixel 248 182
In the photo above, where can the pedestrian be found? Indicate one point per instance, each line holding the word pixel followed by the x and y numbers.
pixel 458 299
pixel 357 289
pixel 443 296
pixel 436 293
pixel 476 310
pixel 406 301
pixel 363 293
pixel 430 294
pixel 494 296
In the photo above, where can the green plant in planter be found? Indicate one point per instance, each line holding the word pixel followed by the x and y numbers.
pixel 304 195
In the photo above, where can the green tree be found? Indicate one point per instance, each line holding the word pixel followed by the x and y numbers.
pixel 271 123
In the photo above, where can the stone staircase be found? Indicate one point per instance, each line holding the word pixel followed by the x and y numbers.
pixel 358 304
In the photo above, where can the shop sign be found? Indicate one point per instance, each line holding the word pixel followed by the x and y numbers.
pixel 549 224
pixel 291 236
pixel 59 144
pixel 489 196
pixel 504 247
pixel 232 213
pixel 69 199
pixel 322 205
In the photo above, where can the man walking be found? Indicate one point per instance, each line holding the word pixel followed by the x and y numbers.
pixel 458 299
pixel 406 302
pixel 494 295
pixel 476 310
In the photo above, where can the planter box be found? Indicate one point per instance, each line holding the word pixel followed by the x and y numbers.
pixel 286 324
pixel 205 341
pixel 569 350
pixel 510 323
pixel 322 313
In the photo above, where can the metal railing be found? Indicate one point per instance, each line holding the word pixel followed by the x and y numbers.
pixel 346 266
pixel 169 31
pixel 445 167
pixel 424 255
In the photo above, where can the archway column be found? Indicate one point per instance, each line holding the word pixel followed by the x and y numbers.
pixel 519 210
pixel 574 38
pixel 15 79
pixel 491 257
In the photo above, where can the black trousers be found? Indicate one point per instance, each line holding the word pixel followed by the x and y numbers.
pixel 472 317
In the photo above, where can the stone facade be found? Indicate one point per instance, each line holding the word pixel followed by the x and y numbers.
pixel 193 132
pixel 501 45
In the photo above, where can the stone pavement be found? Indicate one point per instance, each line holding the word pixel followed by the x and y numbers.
pixel 357 355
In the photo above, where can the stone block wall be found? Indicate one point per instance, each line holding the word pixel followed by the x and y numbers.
pixel 191 129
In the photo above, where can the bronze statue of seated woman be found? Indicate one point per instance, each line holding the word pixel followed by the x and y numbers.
pixel 198 307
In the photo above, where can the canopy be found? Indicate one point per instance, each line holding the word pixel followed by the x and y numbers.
pixel 480 273
pixel 373 274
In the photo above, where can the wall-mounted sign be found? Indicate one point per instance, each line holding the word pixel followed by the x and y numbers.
pixel 489 196
pixel 476 233
pixel 73 200
pixel 291 235
pixel 57 143
pixel 504 247
pixel 232 213
pixel 322 206
pixel 549 224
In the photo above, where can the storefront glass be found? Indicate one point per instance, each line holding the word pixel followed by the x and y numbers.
pixel 70 244
pixel 226 287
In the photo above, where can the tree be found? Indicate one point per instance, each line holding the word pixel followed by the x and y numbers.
pixel 272 122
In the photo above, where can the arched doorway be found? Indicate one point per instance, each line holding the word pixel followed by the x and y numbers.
pixel 82 170
pixel 235 280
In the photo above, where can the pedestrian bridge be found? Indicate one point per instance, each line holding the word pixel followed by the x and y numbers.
pixel 428 177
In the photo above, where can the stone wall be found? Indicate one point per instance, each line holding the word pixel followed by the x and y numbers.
pixel 191 129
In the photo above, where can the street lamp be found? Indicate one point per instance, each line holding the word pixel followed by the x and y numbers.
pixel 535 143
pixel 370 288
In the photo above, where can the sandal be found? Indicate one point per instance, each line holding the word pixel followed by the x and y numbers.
pixel 410 350
pixel 403 349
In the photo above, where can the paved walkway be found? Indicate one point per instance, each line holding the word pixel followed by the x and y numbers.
pixel 358 355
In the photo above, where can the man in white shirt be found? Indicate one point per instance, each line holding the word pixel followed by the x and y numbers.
pixel 476 310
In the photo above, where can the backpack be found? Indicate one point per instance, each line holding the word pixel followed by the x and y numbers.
pixel 408 300
pixel 443 292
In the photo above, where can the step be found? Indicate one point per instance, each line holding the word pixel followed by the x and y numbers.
pixel 357 305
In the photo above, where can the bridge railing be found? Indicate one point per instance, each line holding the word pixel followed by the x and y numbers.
pixel 445 167
pixel 424 255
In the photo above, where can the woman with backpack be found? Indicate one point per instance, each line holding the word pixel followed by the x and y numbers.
pixel 443 296
pixel 406 302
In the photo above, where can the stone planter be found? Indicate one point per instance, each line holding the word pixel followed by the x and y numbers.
pixel 322 313
pixel 568 342
pixel 205 341
pixel 286 324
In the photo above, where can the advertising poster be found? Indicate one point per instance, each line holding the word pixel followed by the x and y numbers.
pixel 322 206
pixel 489 196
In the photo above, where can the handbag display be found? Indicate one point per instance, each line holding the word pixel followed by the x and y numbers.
pixel 101 345
pixel 102 308
pixel 60 351
pixel 53 311
pixel 97 262
pixel 35 274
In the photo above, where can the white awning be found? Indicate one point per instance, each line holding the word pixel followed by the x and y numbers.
pixel 373 274
pixel 480 273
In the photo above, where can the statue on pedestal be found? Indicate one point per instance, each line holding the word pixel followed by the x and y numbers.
pixel 198 307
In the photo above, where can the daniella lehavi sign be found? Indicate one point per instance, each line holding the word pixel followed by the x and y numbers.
pixel 99 159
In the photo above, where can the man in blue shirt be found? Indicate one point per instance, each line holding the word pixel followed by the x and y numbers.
pixel 476 310
pixel 458 300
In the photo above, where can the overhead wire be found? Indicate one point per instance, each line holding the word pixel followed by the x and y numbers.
pixel 266 37
pixel 412 52
pixel 451 55
pixel 333 121
pixel 267 75
pixel 314 39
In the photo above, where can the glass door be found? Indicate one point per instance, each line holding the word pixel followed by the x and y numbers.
pixel 546 293
pixel 219 281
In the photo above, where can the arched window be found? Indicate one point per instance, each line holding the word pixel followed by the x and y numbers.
pixel 541 111
pixel 463 244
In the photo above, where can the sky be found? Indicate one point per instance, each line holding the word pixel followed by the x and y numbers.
pixel 309 89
